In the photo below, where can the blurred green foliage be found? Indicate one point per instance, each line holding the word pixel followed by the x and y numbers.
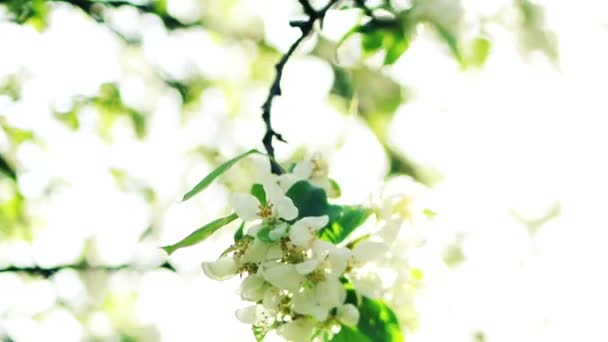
pixel 533 32
pixel 384 30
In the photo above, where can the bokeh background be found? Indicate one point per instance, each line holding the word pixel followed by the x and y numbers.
pixel 111 110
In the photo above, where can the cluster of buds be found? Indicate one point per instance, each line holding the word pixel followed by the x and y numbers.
pixel 296 281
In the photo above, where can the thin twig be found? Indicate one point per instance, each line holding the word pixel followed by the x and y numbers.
pixel 306 28
pixel 91 8
pixel 368 11
pixel 47 272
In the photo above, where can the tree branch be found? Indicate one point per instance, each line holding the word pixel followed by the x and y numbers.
pixel 306 28
pixel 368 11
pixel 7 169
pixel 45 272
pixel 90 7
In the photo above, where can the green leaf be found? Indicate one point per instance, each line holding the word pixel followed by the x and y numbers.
pixel 69 118
pixel 534 34
pixel 310 200
pixel 259 332
pixel 429 213
pixel 480 50
pixel 451 40
pixel 348 334
pixel 14 134
pixel 395 44
pixel 263 234
pixel 257 190
pixel 240 232
pixel 343 221
pixel 337 192
pixel 216 173
pixel 372 41
pixel 6 169
pixel 200 234
pixel 378 322
pixel 388 35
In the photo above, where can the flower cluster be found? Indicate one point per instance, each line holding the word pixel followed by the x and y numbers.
pixel 403 214
pixel 310 269
pixel 295 280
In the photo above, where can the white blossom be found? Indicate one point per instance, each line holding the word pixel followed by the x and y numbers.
pixel 298 330
pixel 283 276
pixel 256 252
pixel 314 170
pixel 305 303
pixel 367 250
pixel 249 208
pixel 368 284
pixel 304 231
pixel 295 278
pixel 253 314
pixel 253 288
pixel 330 293
pixel 348 314
pixel 319 299
pixel 247 315
pixel 221 269
pixel 390 230
pixel 278 231
pixel 272 299
pixel 326 258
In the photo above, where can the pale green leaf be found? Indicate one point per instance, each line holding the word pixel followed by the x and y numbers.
pixel 200 234
pixel 216 173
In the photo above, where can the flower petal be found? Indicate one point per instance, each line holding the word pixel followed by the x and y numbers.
pixel 253 230
pixel 283 276
pixel 255 253
pixel 273 191
pixel 305 303
pixel 287 180
pixel 369 250
pixel 274 252
pixel 325 184
pixel 313 222
pixel 307 266
pixel 368 285
pixel 246 206
pixel 298 330
pixel 300 235
pixel 278 231
pixel 330 293
pixel 272 299
pixel 321 248
pixel 303 169
pixel 286 209
pixel 303 231
pixel 348 314
pixel 389 232
pixel 222 269
pixel 247 315
pixel 338 260
pixel 252 288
